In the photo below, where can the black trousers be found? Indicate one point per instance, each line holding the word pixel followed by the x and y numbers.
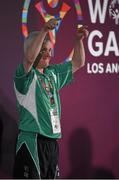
pixel 48 152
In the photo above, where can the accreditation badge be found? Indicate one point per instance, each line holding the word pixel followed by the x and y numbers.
pixel 55 121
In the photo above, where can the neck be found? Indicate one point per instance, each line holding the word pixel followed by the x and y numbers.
pixel 41 70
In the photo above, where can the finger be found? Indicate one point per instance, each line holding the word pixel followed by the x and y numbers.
pixel 56 21
pixel 85 26
pixel 59 18
pixel 51 26
pixel 53 23
pixel 84 31
pixel 82 27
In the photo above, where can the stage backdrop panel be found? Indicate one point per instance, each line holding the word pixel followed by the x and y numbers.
pixel 89 147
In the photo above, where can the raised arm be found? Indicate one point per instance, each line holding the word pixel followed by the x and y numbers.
pixel 78 59
pixel 33 43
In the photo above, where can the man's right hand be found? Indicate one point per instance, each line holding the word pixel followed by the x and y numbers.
pixel 51 24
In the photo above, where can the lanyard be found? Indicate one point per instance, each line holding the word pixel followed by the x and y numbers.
pixel 48 87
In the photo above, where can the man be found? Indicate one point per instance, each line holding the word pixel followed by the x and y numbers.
pixel 36 86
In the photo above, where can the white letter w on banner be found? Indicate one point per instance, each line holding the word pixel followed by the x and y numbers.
pixel 97 10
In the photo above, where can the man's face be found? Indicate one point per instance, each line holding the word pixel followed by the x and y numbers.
pixel 46 54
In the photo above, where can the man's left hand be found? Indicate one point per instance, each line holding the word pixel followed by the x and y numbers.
pixel 82 33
